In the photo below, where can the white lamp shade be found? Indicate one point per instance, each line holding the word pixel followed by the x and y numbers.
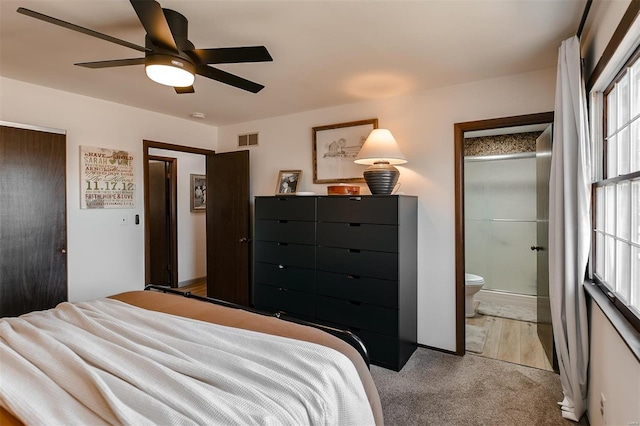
pixel 380 146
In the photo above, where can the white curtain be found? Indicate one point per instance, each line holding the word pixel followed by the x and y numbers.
pixel 570 229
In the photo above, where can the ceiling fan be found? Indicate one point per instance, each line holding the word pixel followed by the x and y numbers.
pixel 169 57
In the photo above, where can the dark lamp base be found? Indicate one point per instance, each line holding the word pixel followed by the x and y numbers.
pixel 381 178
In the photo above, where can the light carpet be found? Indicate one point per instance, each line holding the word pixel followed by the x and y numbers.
pixel 475 338
pixel 521 313
pixel 436 388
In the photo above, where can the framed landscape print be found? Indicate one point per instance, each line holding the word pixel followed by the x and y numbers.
pixel 334 148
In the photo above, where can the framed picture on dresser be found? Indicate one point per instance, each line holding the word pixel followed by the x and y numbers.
pixel 288 182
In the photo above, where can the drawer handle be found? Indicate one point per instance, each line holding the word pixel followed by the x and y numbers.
pixel 282 289
pixel 283 244
pixel 282 267
pixel 282 199
pixel 353 250
pixel 353 277
pixel 283 221
pixel 355 302
pixel 354 224
pixel 355 198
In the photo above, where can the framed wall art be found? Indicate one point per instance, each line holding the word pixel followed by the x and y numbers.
pixel 107 178
pixel 198 193
pixel 288 181
pixel 334 148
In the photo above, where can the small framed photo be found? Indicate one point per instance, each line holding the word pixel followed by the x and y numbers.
pixel 288 181
pixel 335 146
pixel 198 193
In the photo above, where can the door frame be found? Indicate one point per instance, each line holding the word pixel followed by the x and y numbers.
pixel 458 130
pixel 146 144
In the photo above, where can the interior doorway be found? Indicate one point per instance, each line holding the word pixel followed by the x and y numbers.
pixel 509 224
pixel 162 218
pixel 225 235
pixel 175 237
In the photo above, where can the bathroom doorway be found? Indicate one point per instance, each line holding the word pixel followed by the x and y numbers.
pixel 497 238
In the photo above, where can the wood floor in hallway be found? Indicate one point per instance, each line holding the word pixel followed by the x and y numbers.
pixel 199 288
pixel 512 340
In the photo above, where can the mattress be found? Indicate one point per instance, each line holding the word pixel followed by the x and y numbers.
pixel 202 311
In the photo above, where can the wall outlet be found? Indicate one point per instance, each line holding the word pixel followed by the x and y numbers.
pixel 124 220
pixel 603 401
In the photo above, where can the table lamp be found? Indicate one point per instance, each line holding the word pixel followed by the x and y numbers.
pixel 380 151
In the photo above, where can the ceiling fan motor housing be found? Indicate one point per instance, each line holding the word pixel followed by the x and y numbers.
pixel 158 55
pixel 179 26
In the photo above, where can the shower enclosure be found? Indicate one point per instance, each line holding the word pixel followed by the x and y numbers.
pixel 500 221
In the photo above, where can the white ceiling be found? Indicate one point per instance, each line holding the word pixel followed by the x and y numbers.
pixel 325 53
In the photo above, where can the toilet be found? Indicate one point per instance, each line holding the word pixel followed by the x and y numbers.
pixel 472 285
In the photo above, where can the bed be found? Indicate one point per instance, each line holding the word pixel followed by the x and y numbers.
pixel 172 359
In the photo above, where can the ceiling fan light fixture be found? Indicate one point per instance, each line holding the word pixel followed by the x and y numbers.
pixel 170 70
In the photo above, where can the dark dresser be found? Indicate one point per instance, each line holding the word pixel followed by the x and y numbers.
pixel 344 261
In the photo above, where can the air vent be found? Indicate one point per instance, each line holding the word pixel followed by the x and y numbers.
pixel 250 139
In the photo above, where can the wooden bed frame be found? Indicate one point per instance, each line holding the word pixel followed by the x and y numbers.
pixel 344 335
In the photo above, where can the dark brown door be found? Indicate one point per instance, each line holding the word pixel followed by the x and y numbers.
pixel 543 171
pixel 33 231
pixel 228 245
pixel 163 253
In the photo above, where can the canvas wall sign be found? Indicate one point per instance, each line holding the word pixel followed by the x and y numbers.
pixel 107 179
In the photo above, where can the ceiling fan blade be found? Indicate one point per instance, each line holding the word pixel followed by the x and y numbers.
pixel 182 90
pixel 230 55
pixel 79 29
pixel 112 63
pixel 155 24
pixel 226 78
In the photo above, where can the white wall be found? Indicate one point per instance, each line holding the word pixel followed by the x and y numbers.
pixel 104 257
pixel 192 226
pixel 423 125
pixel 614 372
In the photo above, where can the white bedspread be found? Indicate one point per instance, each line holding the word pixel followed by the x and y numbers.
pixel 106 362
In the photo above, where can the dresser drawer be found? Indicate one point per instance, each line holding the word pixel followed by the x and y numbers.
pixel 361 236
pixel 371 209
pixel 383 350
pixel 360 289
pixel 286 208
pixel 286 231
pixel 288 277
pixel 281 299
pixel 358 262
pixel 358 315
pixel 285 254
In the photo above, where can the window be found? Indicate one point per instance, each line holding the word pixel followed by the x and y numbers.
pixel 616 236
